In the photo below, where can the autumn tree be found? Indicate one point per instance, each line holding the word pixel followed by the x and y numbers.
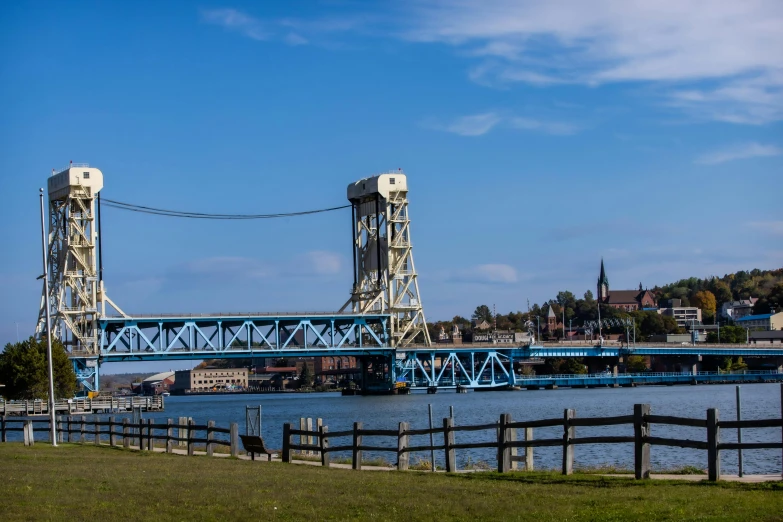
pixel 705 300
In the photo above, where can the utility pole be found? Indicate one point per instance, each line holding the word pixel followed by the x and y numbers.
pixel 563 322
pixel 600 336
pixel 47 332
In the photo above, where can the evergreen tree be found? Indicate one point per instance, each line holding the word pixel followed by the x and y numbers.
pixel 25 373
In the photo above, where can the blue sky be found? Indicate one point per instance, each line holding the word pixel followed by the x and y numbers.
pixel 537 137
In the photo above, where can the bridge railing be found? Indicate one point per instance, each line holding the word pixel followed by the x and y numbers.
pixel 502 437
pixel 144 435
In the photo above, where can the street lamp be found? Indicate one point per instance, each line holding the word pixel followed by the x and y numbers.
pixel 538 328
pixel 569 327
pixel 52 415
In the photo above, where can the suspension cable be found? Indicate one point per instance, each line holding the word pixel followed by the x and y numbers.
pixel 203 215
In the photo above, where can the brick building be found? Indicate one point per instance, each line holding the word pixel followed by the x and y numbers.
pixel 628 300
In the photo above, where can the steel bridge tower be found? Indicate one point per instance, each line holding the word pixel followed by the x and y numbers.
pixel 385 279
pixel 76 294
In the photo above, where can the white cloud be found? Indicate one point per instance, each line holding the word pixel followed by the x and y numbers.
pixel 238 21
pixel 549 127
pixel 480 124
pixel 474 125
pixel 324 262
pixel 227 267
pixel 295 39
pixel 735 152
pixel 721 60
pixel 292 31
pixel 774 228
pixel 487 274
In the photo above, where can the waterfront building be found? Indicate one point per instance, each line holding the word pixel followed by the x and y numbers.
pixel 209 379
pixel 762 321
pixel 154 384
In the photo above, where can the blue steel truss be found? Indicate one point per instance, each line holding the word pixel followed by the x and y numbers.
pixel 231 336
pixel 174 337
pixel 470 368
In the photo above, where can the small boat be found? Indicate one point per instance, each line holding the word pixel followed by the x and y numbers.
pixel 165 394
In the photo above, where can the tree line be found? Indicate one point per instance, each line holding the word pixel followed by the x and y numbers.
pixel 709 294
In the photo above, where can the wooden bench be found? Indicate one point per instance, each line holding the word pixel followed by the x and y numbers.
pixel 255 444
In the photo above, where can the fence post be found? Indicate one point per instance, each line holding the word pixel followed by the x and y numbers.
pixel 112 439
pixel 529 450
pixel 504 456
pixel 83 429
pixel 60 435
pixel 190 437
pixel 286 457
pixel 125 437
pixel 448 441
pixel 27 430
pixel 68 421
pixel 512 451
pixel 234 439
pixel 210 436
pixel 315 440
pixel 151 434
pixel 713 439
pixel 169 436
pixel 2 428
pixel 569 433
pixel 302 438
pixel 402 446
pixel 183 431
pixel 357 442
pixel 140 426
pixel 323 440
pixel 97 430
pixel 641 448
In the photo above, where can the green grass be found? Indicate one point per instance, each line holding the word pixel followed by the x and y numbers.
pixel 75 482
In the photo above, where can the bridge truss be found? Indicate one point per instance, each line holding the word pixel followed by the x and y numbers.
pixel 483 368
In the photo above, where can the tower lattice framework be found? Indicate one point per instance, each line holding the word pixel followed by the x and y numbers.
pixel 76 295
pixel 385 279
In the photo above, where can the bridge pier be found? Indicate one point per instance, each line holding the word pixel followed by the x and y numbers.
pixel 378 374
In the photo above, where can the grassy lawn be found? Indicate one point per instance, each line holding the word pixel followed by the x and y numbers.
pixel 90 483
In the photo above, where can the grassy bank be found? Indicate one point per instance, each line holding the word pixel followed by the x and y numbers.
pixel 89 483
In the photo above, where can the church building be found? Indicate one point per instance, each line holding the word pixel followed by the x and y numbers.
pixel 627 300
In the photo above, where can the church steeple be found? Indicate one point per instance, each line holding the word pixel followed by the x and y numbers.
pixel 603 284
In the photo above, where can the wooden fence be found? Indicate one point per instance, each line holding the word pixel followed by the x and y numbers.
pixel 503 439
pixel 139 435
pixel 83 405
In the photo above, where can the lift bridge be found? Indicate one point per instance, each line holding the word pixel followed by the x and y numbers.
pixel 382 323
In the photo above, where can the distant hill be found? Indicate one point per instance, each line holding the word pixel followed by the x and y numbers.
pixel 766 285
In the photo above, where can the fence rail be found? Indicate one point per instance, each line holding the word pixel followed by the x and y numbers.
pixel 75 406
pixel 504 439
pixel 127 434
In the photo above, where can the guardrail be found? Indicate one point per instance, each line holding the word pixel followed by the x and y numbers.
pixel 140 435
pixel 503 439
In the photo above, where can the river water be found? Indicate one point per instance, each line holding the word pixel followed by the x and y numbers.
pixel 385 412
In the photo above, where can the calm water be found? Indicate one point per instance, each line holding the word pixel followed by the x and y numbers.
pixel 385 412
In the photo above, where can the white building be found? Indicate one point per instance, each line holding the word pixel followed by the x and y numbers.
pixel 737 309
